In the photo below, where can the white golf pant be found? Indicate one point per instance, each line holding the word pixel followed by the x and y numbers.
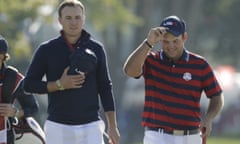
pixel 91 133
pixel 153 137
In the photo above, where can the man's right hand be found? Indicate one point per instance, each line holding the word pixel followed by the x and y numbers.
pixel 72 81
pixel 66 82
pixel 156 35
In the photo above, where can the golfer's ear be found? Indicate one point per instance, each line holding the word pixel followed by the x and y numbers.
pixel 185 36
pixel 60 20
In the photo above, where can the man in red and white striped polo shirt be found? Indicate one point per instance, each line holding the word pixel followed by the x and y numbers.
pixel 174 81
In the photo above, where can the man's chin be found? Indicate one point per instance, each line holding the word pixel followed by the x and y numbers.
pixel 172 56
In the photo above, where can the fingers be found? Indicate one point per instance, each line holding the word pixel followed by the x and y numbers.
pixel 7 110
pixel 113 141
pixel 203 130
pixel 206 126
pixel 75 81
pixel 113 136
pixel 72 81
pixel 206 129
pixel 78 82
pixel 156 35
pixel 162 30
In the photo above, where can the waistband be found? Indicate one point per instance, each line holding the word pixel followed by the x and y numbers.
pixel 174 132
pixel 72 121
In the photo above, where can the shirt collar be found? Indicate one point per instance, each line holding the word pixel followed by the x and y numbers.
pixel 85 36
pixel 185 55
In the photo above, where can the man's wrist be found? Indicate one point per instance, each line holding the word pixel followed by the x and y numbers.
pixel 148 44
pixel 17 111
pixel 59 85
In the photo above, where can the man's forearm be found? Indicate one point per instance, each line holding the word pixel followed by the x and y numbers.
pixel 215 107
pixel 111 119
pixel 134 63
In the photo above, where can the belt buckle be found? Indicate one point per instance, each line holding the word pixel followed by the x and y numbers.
pixel 160 130
pixel 178 132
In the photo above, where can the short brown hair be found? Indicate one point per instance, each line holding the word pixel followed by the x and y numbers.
pixel 70 3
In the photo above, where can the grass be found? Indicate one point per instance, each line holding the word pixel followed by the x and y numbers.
pixel 220 140
pixel 223 140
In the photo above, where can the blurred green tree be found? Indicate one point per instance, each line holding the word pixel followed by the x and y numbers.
pixel 15 17
pixel 121 25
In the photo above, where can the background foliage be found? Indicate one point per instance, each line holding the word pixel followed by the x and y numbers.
pixel 121 25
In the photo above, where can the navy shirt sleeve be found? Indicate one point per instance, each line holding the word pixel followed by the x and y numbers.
pixel 105 83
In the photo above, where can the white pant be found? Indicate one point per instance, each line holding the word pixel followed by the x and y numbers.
pixel 3 132
pixel 91 133
pixel 3 136
pixel 153 137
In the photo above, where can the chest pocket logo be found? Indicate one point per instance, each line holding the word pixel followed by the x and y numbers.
pixel 187 76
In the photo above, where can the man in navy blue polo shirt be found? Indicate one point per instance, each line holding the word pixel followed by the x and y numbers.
pixel 174 81
pixel 77 77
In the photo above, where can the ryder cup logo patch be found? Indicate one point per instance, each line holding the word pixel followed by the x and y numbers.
pixel 187 76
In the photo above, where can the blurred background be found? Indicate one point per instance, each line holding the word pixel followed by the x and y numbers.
pixel 121 25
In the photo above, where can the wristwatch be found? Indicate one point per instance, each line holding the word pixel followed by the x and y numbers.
pixel 59 85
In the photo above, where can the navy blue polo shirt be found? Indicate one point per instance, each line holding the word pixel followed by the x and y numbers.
pixel 71 106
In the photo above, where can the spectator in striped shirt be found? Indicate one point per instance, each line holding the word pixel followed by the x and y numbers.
pixel 174 81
